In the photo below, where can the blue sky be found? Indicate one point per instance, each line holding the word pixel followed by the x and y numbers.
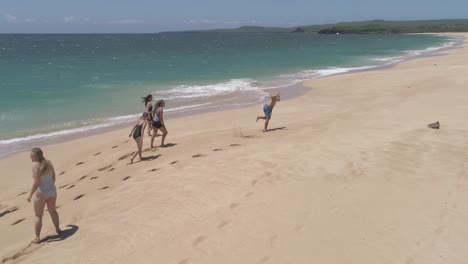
pixel 145 16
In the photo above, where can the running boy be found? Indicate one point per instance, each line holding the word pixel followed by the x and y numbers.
pixel 268 109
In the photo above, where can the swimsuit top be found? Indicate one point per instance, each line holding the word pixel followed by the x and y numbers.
pixel 150 108
pixel 157 116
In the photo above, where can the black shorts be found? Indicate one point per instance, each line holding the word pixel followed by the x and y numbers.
pixel 157 124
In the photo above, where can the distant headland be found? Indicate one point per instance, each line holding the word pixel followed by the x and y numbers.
pixel 362 27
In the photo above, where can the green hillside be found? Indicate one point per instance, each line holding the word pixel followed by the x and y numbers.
pixel 365 27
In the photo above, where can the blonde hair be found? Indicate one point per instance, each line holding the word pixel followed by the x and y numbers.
pixel 40 155
pixel 159 102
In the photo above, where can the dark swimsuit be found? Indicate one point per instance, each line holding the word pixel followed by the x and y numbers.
pixel 137 132
pixel 150 113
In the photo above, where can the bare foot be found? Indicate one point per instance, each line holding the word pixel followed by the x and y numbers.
pixel 37 240
pixel 257 119
pixel 58 231
pixel 131 161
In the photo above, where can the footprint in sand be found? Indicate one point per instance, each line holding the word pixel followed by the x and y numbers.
pixel 23 193
pixel 71 186
pixel 253 182
pixel 31 248
pixel 63 172
pixel 298 228
pixel 18 221
pixel 103 188
pixel 82 178
pixel 115 146
pixel 78 197
pixel 94 178
pixel 126 178
pixel 249 194
pixel 9 211
pixel 217 149
pixel 199 240
pixel 63 186
pixel 111 169
pixel 233 206
pixel 174 162
pixel 264 259
pixel 155 169
pixel 235 145
pixel 198 156
pixel 223 224
pixel 95 154
pixel 126 156
pixel 184 261
pixel 79 163
pixel 105 167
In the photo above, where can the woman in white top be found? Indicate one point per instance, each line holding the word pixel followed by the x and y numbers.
pixel 43 190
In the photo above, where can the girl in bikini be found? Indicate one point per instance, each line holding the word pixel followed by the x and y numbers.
pixel 137 133
pixel 147 100
pixel 158 121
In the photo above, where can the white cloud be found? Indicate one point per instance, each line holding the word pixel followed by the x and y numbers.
pixel 129 21
pixel 30 20
pixel 10 18
pixel 86 19
pixel 69 19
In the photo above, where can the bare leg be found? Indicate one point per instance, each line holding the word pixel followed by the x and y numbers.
pixel 51 206
pixel 155 131
pixel 164 130
pixel 260 117
pixel 39 204
pixel 150 127
pixel 140 146
pixel 267 120
pixel 137 152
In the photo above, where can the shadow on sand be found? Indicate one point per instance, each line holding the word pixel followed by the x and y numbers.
pixel 168 145
pixel 150 158
pixel 277 128
pixel 66 233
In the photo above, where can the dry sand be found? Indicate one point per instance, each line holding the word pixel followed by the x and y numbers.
pixel 351 174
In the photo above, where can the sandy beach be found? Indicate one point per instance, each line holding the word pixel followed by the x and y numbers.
pixel 350 173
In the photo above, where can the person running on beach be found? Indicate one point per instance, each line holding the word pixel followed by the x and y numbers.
pixel 149 109
pixel 137 132
pixel 44 191
pixel 268 110
pixel 158 121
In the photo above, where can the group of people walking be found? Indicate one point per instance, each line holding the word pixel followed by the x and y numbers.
pixel 153 117
pixel 44 192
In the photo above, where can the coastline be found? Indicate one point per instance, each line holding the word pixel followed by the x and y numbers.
pixel 10 147
pixel 350 167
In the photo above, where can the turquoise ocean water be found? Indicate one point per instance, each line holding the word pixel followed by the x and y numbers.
pixel 56 85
